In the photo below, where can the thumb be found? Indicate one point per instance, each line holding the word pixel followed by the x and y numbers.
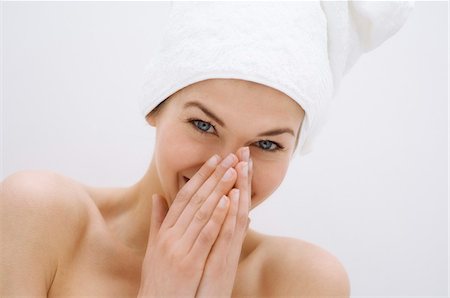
pixel 159 211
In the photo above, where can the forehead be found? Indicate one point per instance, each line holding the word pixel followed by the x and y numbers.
pixel 241 97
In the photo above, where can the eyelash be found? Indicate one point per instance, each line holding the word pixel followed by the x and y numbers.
pixel 201 131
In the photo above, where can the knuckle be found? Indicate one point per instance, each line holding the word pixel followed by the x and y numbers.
pixel 201 215
pixel 207 236
pixel 183 195
pixel 203 175
pixel 174 256
pixel 197 199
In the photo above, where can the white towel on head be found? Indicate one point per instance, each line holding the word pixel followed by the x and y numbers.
pixel 300 48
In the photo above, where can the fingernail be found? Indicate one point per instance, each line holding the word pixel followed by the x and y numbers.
pixel 228 174
pixel 246 153
pixel 213 161
pixel 228 161
pixel 223 202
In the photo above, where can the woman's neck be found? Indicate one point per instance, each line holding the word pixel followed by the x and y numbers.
pixel 127 211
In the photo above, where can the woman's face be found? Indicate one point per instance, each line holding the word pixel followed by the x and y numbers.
pixel 218 116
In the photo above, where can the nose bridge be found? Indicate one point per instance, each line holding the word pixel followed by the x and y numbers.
pixel 228 148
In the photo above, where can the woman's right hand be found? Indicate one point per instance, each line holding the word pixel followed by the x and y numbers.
pixel 181 237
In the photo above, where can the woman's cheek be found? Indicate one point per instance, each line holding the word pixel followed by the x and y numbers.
pixel 171 144
pixel 183 146
pixel 181 149
pixel 266 179
pixel 177 141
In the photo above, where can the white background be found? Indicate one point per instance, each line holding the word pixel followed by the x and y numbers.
pixel 373 192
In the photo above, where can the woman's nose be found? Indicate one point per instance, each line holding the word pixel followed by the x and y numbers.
pixel 237 151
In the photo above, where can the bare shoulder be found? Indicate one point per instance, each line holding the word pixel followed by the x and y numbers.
pixel 39 194
pixel 43 215
pixel 295 267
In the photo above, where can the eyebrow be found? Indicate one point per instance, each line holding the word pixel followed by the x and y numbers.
pixel 272 132
pixel 277 131
pixel 204 110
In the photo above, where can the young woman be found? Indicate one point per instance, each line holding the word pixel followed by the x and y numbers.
pixel 222 147
pixel 224 141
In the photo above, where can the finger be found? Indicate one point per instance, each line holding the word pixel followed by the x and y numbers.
pixel 239 154
pixel 242 213
pixel 243 154
pixel 220 250
pixel 244 197
pixel 202 246
pixel 159 211
pixel 243 185
pixel 218 184
pixel 250 179
pixel 189 189
pixel 194 217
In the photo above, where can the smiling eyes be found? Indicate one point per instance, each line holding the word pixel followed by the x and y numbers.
pixel 202 125
pixel 267 145
pixel 206 127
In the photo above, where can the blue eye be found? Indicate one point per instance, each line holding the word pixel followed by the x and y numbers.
pixel 206 127
pixel 202 126
pixel 268 145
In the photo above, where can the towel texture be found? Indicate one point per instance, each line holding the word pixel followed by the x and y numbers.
pixel 302 49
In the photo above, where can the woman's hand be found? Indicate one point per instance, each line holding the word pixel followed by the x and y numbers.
pixel 181 238
pixel 221 266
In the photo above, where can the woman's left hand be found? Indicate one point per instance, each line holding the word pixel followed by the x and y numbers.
pixel 221 266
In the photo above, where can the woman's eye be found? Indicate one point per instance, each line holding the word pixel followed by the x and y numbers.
pixel 268 145
pixel 203 126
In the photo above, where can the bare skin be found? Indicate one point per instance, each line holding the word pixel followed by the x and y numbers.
pixel 64 238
